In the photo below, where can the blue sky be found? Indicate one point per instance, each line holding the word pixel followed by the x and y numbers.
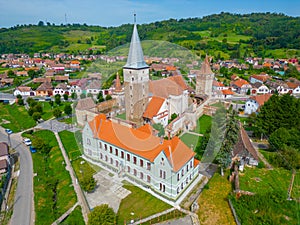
pixel 117 12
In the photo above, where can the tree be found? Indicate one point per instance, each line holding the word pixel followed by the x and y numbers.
pixel 31 73
pixel 102 214
pixel 173 116
pixel 20 101
pixel 41 145
pixel 41 23
pixel 36 116
pixel 74 95
pixel 66 97
pixel 51 103
pixel 68 109
pixel 90 95
pixel 57 99
pixel 88 183
pixel 57 113
pixel 100 97
pixel 82 95
pixel 108 97
pixel 11 73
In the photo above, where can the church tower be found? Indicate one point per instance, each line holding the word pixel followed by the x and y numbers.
pixel 136 81
pixel 204 79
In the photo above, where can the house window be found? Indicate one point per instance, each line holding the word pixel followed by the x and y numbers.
pixel 105 147
pixel 134 160
pixel 132 79
pixel 190 176
pixel 128 157
pixel 128 169
pixel 117 163
pixel 101 156
pixel 111 161
pixel 178 176
pixel 148 179
pixel 100 145
pixel 141 163
pixel 148 166
pixel 187 180
pixel 178 190
pixel 141 175
pixel 191 164
pixel 122 155
pixel 182 172
pixel 106 158
pixel 116 150
pixel 134 172
pixel 110 149
pixel 187 167
pixel 181 186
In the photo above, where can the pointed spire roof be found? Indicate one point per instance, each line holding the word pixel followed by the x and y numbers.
pixel 135 58
pixel 205 67
pixel 118 87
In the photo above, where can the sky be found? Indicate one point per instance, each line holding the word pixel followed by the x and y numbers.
pixel 116 12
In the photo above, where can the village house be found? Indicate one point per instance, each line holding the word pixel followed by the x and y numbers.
pixel 45 89
pixel 255 102
pixel 259 88
pixel 4 157
pixel 24 91
pixel 61 89
pixel 240 86
pixel 262 78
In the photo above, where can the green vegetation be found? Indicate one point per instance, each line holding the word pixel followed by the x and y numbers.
pixel 53 190
pixel 122 116
pixel 204 124
pixel 279 121
pixel 75 218
pixel 15 117
pixel 259 34
pixel 139 202
pixel 102 214
pixel 213 205
pixel 190 139
pixel 266 208
pixel 263 180
pixel 71 145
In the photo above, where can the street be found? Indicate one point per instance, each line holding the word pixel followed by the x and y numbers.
pixel 22 211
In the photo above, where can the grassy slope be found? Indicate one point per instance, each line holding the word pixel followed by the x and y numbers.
pixel 213 205
pixel 75 218
pixel 47 210
pixel 17 116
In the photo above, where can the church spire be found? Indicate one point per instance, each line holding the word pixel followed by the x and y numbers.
pixel 135 58
pixel 118 87
pixel 205 67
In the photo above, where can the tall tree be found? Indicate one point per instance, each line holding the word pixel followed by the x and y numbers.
pixel 102 214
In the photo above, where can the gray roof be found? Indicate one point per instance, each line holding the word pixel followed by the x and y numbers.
pixel 135 58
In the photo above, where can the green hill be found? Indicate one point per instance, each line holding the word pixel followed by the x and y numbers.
pixel 223 35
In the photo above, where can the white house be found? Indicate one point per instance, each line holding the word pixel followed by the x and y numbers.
pixel 157 111
pixel 61 89
pixel 255 102
pixel 166 167
pixel 259 88
pixel 24 91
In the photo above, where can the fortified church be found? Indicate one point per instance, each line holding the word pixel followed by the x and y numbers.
pixel 161 167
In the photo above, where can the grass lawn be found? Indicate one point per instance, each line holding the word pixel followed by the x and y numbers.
pixel 190 139
pixel 296 186
pixel 48 110
pixel 218 104
pixel 72 146
pixel 263 180
pixel 141 203
pixel 53 190
pixel 17 117
pixel 213 204
pixel 75 218
pixel 203 124
pixel 122 116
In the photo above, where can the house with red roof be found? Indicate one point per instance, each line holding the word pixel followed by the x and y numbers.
pixel 240 86
pixel 255 102
pixel 166 167
pixel 157 111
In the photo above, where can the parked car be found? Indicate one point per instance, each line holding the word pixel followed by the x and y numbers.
pixel 27 141
pixel 32 149
pixel 9 131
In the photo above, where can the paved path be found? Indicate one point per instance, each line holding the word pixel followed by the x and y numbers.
pixel 154 216
pixel 23 208
pixel 60 219
pixel 81 199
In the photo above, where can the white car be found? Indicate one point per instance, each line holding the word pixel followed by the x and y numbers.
pixel 27 141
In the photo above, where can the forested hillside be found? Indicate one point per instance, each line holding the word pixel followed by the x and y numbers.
pixel 223 35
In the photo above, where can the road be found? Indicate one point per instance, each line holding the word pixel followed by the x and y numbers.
pixel 23 205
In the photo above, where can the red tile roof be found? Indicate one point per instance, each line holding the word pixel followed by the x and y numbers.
pixel 153 107
pixel 261 99
pixel 240 82
pixel 141 141
pixel 227 92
